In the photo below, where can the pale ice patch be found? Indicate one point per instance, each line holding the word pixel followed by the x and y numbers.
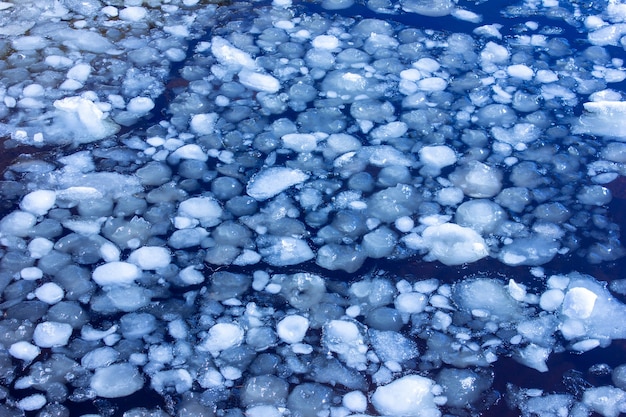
pixel 207 210
pixel 273 181
pixel 221 337
pixel 409 396
pixel 284 250
pixel 432 8
pixel 258 81
pixel 229 55
pixel 292 328
pixel 150 257
pixel 603 118
pixel 84 119
pixel 116 273
pixel 452 244
pixel 49 334
pixel 38 202
pixel 117 380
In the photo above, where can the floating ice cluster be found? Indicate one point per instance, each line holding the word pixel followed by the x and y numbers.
pixel 209 185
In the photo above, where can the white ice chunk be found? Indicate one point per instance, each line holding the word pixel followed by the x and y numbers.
pixel 273 181
pixel 150 257
pixel 432 84
pixel 140 105
pixel 411 302
pixel 452 244
pixel 203 123
pixel 38 202
pixel 551 299
pixel 31 273
pixel 436 157
pixel 116 273
pixel 603 118
pixel 50 293
pixel 205 209
pixel 220 337
pixel 344 338
pixel 521 133
pixel 32 402
pixel 355 401
pixel 24 351
pixel 133 13
pixel 191 276
pixel 285 250
pixel 607 35
pixel 578 303
pixel 230 56
pixel 521 71
pixel 258 81
pixel 84 119
pixel 18 223
pixel 79 72
pixel 607 401
pixel 328 42
pixel 477 179
pixel 51 334
pixel 300 142
pixel 292 328
pixel 432 8
pixel 409 396
pixel 190 151
pixel 117 380
pixel 480 214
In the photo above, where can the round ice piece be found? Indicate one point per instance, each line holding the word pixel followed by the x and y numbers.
pixel 133 13
pixel 283 251
pixel 273 181
pixel 379 243
pixel 325 42
pixel 203 123
pixel 594 195
pixel 51 334
pixel 302 290
pixel 18 223
pixel 220 337
pixel 482 215
pixel 116 273
pixel 50 293
pixel 477 179
pixel 409 396
pixel 38 202
pixel 117 380
pixel 32 402
pixel 150 257
pixel 437 156
pixel 521 71
pixel 205 209
pixel 452 244
pixel 24 351
pixel 411 302
pixel 355 401
pixel 292 328
pixel 140 105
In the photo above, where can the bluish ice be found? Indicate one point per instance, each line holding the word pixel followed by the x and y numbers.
pixel 312 209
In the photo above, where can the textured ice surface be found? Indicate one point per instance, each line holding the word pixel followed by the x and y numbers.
pixel 284 209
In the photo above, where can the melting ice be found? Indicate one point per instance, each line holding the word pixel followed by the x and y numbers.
pixel 206 192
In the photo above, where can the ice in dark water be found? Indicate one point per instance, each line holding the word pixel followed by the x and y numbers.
pixel 312 209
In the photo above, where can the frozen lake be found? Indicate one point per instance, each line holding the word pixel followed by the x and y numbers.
pixel 312 209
